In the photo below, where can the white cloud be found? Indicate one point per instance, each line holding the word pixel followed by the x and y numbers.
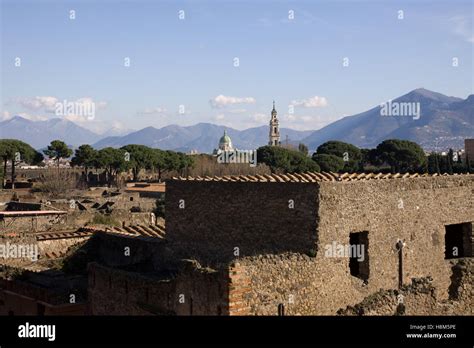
pixel 219 117
pixel 50 105
pixel 312 102
pixel 153 111
pixel 45 103
pixel 75 118
pixel 221 101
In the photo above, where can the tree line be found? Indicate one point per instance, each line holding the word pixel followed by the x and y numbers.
pixel 392 155
pixel 112 161
pixel 131 157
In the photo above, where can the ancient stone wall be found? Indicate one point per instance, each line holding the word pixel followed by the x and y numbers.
pixel 28 224
pixel 57 247
pixel 215 222
pixel 415 211
pixel 419 296
pixel 34 293
pixel 192 291
pixel 140 253
pixel 284 252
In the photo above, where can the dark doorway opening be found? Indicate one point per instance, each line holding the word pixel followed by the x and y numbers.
pixel 359 255
pixel 458 240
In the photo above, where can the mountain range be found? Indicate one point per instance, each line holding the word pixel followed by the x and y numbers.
pixel 443 122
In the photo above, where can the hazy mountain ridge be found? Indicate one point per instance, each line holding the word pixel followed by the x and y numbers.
pixel 203 137
pixel 444 122
pixel 40 133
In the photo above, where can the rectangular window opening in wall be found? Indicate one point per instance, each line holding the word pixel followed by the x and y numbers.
pixel 359 255
pixel 458 240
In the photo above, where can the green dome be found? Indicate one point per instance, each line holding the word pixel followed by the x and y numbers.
pixel 225 139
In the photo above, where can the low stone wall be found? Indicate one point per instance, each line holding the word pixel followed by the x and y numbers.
pixel 193 291
pixel 57 247
pixel 28 224
pixel 419 297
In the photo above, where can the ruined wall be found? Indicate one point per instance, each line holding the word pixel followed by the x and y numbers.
pixel 413 210
pixel 218 217
pixel 140 253
pixel 193 291
pixel 28 224
pixel 276 243
pixel 323 284
pixel 57 247
pixel 18 296
pixel 293 280
pixel 419 297
pixel 25 250
pixel 126 218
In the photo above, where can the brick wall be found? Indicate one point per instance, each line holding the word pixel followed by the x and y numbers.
pixel 239 288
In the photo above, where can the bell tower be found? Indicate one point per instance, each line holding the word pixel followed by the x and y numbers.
pixel 274 137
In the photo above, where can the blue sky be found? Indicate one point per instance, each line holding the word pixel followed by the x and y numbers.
pixel 191 62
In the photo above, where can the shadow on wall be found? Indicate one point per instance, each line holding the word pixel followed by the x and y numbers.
pixel 238 219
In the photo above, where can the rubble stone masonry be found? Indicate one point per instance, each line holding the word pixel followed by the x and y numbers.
pixel 282 250
pixel 216 222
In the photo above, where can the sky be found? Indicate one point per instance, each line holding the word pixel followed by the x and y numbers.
pixel 153 63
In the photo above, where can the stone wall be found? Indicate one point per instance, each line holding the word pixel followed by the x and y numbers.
pixel 415 211
pixel 213 222
pixel 192 291
pixel 37 293
pixel 28 224
pixel 57 247
pixel 283 251
pixel 24 244
pixel 419 297
pixel 134 253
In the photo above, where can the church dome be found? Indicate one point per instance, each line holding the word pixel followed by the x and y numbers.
pixel 225 143
pixel 225 140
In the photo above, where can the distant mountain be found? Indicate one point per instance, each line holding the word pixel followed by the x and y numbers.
pixel 444 122
pixel 40 133
pixel 115 131
pixel 203 137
